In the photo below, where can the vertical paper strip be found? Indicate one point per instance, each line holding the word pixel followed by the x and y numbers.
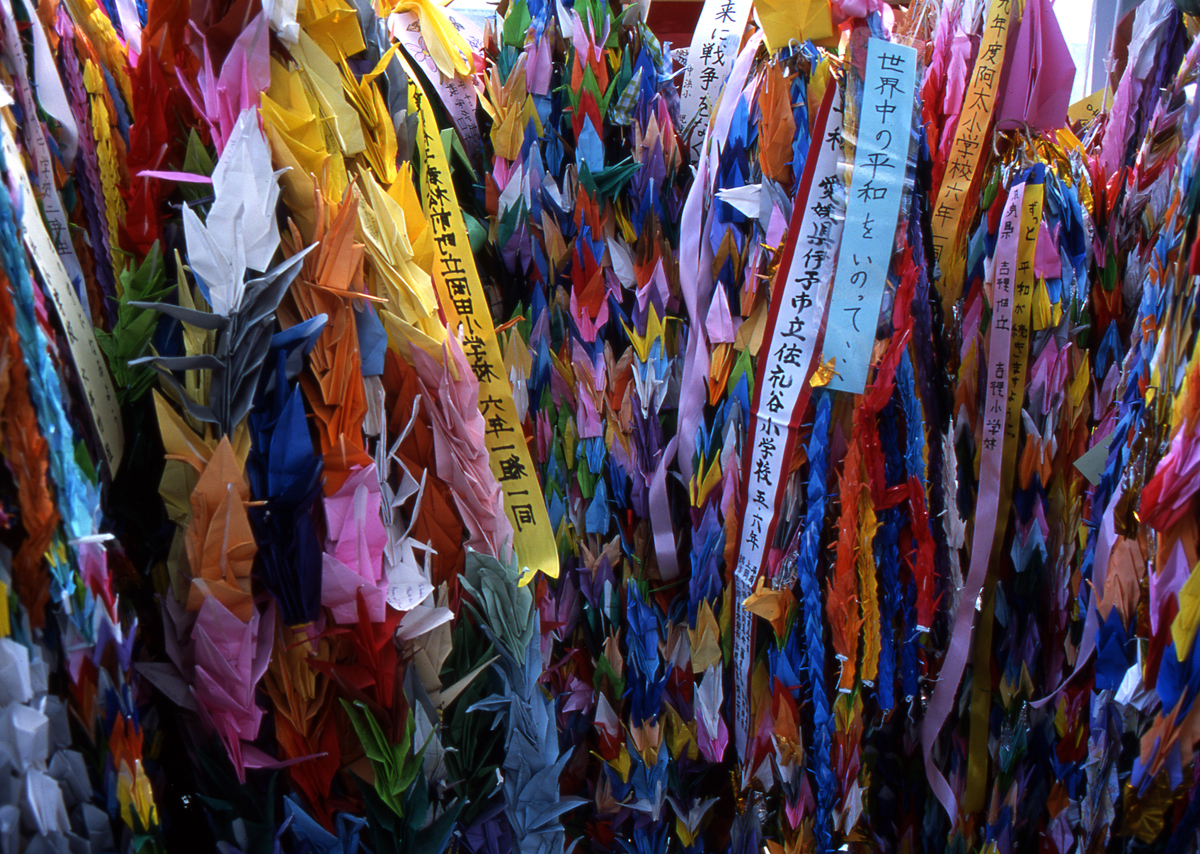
pixel 1007 352
pixel 710 59
pixel 460 295
pixel 5 625
pixel 85 352
pixel 782 388
pixel 970 140
pixel 458 96
pixel 876 188
pixel 1018 301
pixel 58 229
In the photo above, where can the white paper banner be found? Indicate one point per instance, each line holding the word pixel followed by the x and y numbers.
pixel 787 365
pixel 710 59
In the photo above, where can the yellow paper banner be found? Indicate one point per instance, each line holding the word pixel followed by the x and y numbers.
pixel 460 295
pixel 970 140
pixel 5 626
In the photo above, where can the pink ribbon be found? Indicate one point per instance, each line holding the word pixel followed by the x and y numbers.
pixel 695 264
pixel 695 277
pixel 986 512
pixel 660 517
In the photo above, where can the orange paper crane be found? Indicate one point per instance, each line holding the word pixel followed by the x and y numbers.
pixel 777 127
pixel 330 279
pixel 218 540
pixel 303 704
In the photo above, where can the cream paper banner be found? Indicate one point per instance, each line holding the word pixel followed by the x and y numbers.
pixel 89 363
pixel 710 59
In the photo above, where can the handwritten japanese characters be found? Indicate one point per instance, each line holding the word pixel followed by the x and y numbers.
pixel 970 139
pixel 458 96
pixel 85 351
pixel 461 297
pixel 876 189
pixel 710 59
pixel 782 388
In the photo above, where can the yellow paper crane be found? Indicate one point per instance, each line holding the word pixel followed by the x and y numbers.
pixel 446 45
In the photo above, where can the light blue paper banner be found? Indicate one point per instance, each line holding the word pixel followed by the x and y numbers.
pixel 876 188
